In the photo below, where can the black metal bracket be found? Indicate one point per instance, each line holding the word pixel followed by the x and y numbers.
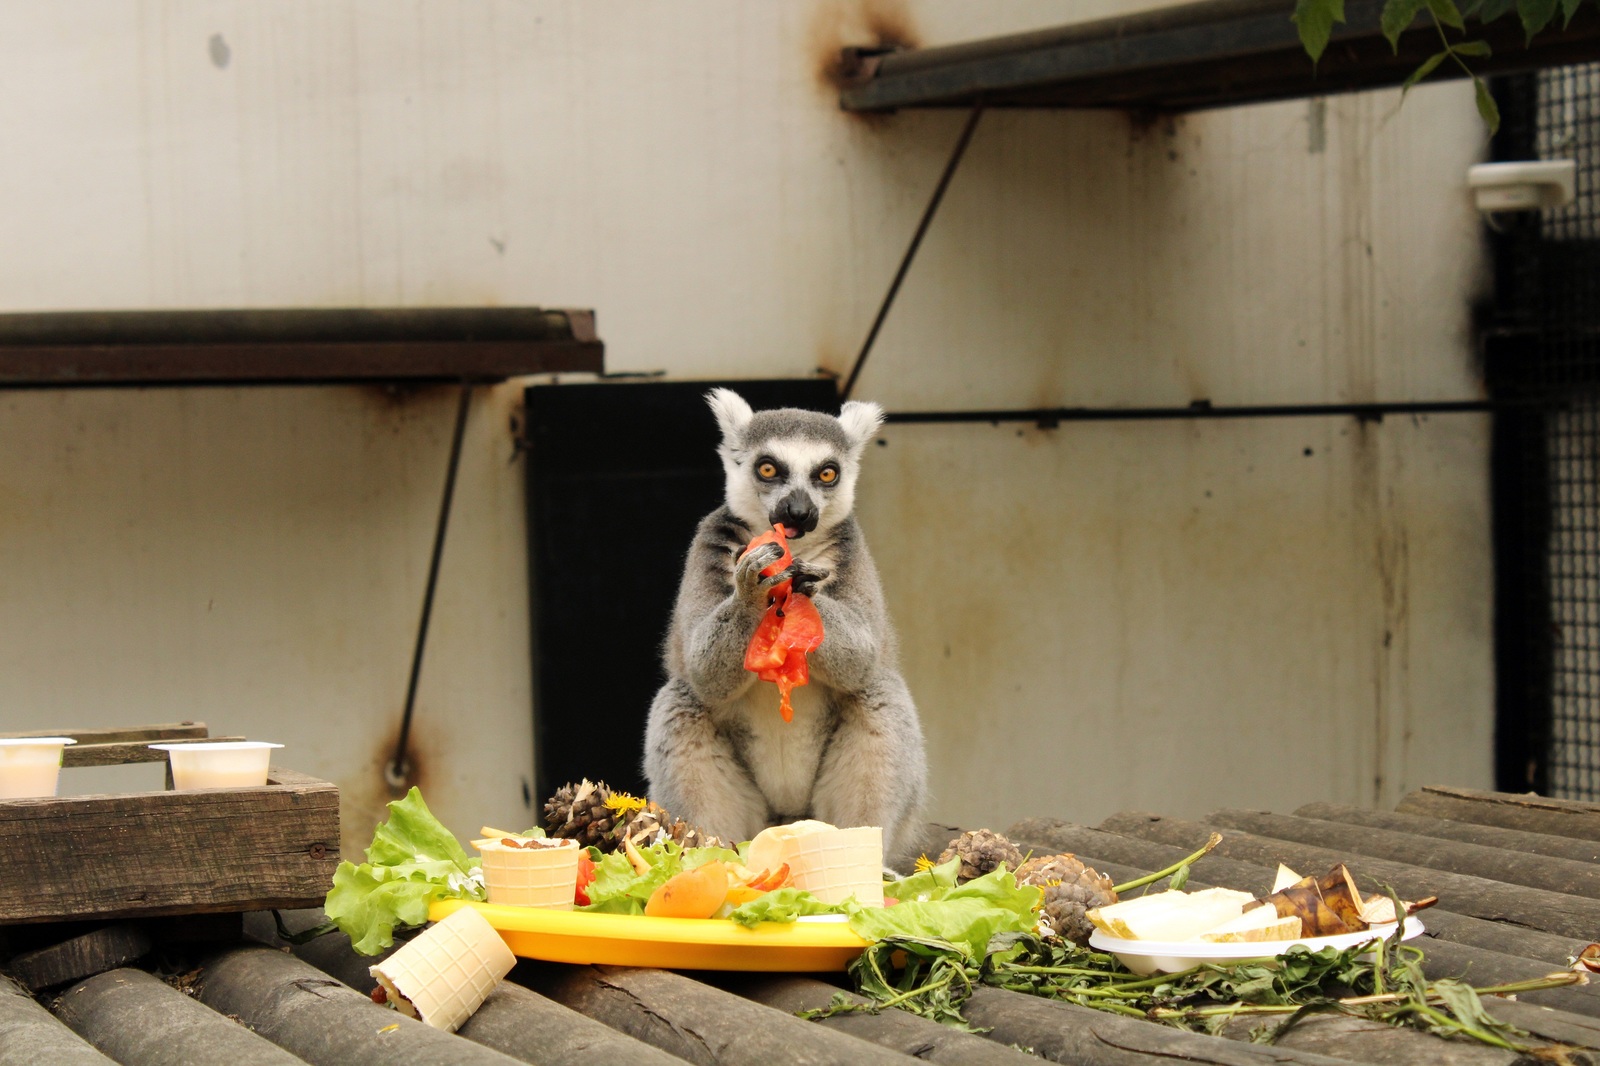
pixel 397 772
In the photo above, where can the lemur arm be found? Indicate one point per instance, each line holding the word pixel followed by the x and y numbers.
pixel 850 648
pixel 719 604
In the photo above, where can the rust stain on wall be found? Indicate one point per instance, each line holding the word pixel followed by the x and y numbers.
pixel 363 801
pixel 877 25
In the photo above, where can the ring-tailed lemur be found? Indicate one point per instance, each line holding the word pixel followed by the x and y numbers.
pixel 716 750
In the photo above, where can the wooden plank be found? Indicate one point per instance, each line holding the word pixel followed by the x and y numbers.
pixel 515 1020
pixel 1434 853
pixel 1365 1040
pixel 696 1022
pixel 140 1020
pixel 1564 1027
pixel 29 1036
pixel 527 1026
pixel 81 956
pixel 120 753
pixel 122 735
pixel 1552 912
pixel 1556 847
pixel 311 1015
pixel 934 838
pixel 1442 959
pixel 1255 877
pixel 1047 835
pixel 892 1029
pixel 151 853
pixel 1065 1032
pixel 1529 813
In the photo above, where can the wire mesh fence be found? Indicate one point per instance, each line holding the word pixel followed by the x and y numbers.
pixel 1546 319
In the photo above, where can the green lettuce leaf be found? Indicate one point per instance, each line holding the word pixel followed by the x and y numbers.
pixel 931 883
pixel 619 889
pixel 782 905
pixel 964 916
pixel 413 861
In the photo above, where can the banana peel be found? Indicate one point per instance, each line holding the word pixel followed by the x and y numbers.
pixel 1326 906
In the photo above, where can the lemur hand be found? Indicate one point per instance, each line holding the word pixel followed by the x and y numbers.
pixel 747 579
pixel 806 577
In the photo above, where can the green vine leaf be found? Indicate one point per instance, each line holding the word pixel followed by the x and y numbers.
pixel 1535 15
pixel 1486 105
pixel 1315 19
pixel 1568 9
pixel 1446 12
pixel 1428 66
pixel 1397 17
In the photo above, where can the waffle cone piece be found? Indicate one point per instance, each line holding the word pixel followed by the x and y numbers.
pixel 530 877
pixel 835 864
pixel 447 971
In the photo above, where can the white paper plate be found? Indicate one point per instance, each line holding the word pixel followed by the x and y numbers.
pixel 1170 956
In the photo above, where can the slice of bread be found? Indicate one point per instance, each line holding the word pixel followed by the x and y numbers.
pixel 1171 915
pixel 1260 924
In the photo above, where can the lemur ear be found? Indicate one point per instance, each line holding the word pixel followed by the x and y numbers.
pixel 861 421
pixel 733 414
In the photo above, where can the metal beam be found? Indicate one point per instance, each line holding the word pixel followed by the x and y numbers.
pixel 293 346
pixel 1214 53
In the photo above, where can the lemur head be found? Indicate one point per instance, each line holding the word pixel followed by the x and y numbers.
pixel 792 467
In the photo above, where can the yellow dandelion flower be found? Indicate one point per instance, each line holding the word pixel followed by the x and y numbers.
pixel 622 803
pixel 924 864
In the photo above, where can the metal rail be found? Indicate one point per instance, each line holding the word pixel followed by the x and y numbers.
pixel 398 770
pixel 1048 417
pixel 911 250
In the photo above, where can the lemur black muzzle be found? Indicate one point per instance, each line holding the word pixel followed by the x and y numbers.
pixel 797 512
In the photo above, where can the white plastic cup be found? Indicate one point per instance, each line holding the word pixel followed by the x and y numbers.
pixel 542 876
pixel 219 763
pixel 31 766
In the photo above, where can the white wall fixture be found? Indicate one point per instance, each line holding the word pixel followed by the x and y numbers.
pixel 1523 186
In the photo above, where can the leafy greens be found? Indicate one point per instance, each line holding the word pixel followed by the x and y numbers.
pixel 413 861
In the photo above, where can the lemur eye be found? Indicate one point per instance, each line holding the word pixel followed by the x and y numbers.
pixel 767 470
pixel 828 474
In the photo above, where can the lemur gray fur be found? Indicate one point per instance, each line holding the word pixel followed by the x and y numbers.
pixel 716 750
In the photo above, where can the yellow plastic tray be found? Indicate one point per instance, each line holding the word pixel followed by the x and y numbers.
pixel 669 943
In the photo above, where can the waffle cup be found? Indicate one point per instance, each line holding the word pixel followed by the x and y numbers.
pixel 531 877
pixel 446 972
pixel 834 864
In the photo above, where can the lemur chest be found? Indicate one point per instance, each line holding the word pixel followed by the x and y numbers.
pixel 782 757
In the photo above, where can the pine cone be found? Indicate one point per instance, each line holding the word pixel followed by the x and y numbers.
pixel 580 813
pixel 1065 912
pixel 980 851
pixel 652 824
pixel 595 816
pixel 1071 890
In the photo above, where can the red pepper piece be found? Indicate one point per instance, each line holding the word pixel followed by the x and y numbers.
pixel 776 536
pixel 585 878
pixel 790 628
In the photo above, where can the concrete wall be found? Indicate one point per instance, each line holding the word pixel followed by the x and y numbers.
pixel 1173 616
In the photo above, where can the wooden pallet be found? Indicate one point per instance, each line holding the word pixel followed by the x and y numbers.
pixel 142 854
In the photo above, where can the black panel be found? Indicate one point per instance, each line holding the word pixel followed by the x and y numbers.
pixel 618 477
